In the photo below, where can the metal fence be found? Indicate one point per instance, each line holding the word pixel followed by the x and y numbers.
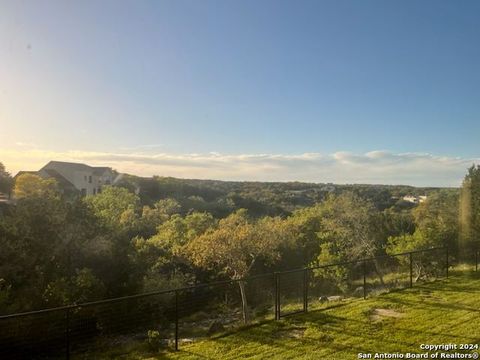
pixel 167 319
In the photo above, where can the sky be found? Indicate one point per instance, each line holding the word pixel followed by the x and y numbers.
pixel 321 91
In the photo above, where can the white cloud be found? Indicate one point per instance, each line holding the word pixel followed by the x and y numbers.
pixel 341 167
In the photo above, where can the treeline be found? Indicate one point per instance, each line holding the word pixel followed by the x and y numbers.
pixel 221 198
pixel 57 250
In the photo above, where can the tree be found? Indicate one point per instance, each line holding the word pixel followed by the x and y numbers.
pixel 115 206
pixel 307 225
pixel 153 217
pixel 436 224
pixel 31 233
pixel 470 207
pixel 6 181
pixel 236 244
pixel 29 185
pixel 117 210
pixel 161 257
pixel 353 229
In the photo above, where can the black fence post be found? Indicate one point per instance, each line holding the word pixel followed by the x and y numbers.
pixel 446 261
pixel 67 334
pixel 411 270
pixel 364 279
pixel 176 320
pixel 476 260
pixel 277 298
pixel 305 290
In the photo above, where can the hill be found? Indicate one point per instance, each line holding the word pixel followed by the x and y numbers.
pixel 221 198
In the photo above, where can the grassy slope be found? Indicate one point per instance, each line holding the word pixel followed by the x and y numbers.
pixel 440 312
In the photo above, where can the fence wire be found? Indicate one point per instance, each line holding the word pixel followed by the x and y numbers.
pixel 167 319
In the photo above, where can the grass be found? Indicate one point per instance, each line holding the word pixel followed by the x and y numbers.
pixel 444 311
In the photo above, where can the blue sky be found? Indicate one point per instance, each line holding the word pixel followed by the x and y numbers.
pixel 103 81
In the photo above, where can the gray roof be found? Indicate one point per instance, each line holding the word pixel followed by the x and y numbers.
pixel 99 170
pixel 25 172
pixel 61 180
pixel 65 164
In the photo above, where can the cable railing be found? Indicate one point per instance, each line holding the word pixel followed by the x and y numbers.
pixel 166 319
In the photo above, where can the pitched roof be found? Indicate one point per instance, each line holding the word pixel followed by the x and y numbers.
pixel 25 172
pixel 61 180
pixel 65 164
pixel 99 170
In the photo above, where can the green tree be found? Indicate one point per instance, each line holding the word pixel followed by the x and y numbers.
pixel 162 257
pixel 31 234
pixel 6 181
pixel 470 207
pixel 353 229
pixel 307 225
pixel 115 206
pixel 236 244
pixel 436 224
pixel 29 185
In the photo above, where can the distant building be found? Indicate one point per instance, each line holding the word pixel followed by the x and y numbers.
pixel 415 199
pixel 88 180
pixel 328 188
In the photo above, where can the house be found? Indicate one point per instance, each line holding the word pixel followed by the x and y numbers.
pixel 76 177
pixel 415 199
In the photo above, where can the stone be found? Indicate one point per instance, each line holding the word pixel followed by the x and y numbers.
pixel 215 327
pixel 358 291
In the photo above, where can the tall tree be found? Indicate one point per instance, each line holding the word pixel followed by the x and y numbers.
pixel 436 224
pixel 114 205
pixel 30 185
pixel 470 207
pixel 352 229
pixel 6 181
pixel 236 244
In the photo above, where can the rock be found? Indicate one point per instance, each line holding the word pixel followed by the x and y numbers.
pixel 186 341
pixel 358 291
pixel 323 299
pixel 215 327
pixel 334 298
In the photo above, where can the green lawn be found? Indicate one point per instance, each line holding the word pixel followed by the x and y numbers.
pixel 444 311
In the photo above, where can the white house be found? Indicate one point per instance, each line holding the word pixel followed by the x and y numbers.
pixel 415 199
pixel 88 180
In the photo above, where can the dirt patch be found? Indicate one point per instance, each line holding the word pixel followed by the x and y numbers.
pixel 381 314
pixel 292 333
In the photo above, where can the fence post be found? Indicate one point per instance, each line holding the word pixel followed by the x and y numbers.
pixel 67 334
pixel 176 320
pixel 305 290
pixel 476 260
pixel 446 261
pixel 364 279
pixel 277 298
pixel 411 270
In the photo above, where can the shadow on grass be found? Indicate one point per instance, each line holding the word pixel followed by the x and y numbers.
pixel 333 335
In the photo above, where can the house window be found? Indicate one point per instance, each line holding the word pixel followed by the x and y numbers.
pixel 90 179
pixel 94 191
pixel 85 177
pixel 99 190
pixel 84 192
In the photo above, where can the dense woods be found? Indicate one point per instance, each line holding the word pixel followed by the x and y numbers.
pixel 159 233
